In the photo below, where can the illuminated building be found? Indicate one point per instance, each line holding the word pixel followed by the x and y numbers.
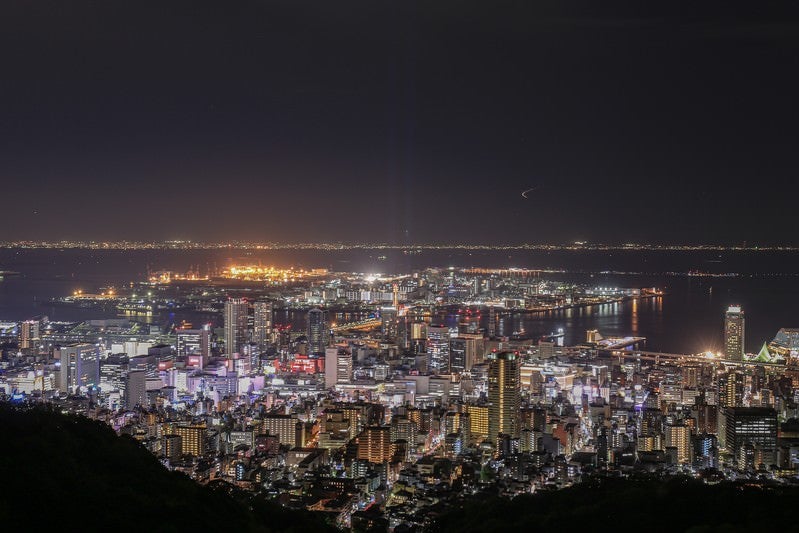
pixel 756 426
pixel 195 341
pixel 731 389
pixel 374 444
pixel 338 366
pixel 80 367
pixel 262 324
pixel 503 394
pixel 29 334
pixel 438 349
pixel 478 421
pixel 317 331
pixel 236 311
pixel 288 429
pixel 679 437
pixel 734 327
pixel 464 351
pixel 136 389
pixel 193 438
pixel 786 342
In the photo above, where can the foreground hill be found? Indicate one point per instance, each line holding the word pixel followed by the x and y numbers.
pixel 71 474
pixel 674 505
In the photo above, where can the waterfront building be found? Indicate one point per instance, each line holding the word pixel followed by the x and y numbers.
pixel 734 329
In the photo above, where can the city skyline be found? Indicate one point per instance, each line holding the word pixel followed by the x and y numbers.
pixel 402 123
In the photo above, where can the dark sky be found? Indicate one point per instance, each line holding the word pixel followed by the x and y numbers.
pixel 399 121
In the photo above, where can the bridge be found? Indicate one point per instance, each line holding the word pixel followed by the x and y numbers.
pixel 362 325
pixel 663 357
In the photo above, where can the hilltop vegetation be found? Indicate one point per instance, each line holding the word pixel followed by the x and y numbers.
pixel 71 473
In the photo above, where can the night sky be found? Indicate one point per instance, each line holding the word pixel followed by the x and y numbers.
pixel 400 121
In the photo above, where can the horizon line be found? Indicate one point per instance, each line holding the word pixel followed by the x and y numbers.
pixel 188 244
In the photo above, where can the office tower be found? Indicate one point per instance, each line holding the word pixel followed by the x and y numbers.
pixel 136 389
pixel 418 336
pixel 465 351
pixel 262 324
pixel 338 366
pixel 734 327
pixel 236 310
pixel 195 342
pixel 438 349
pixel 80 367
pixel 679 437
pixel 503 394
pixel 113 370
pixel 374 444
pixel 756 426
pixel 317 331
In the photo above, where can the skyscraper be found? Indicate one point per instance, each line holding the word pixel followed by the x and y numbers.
pixel 756 426
pixel 503 394
pixel 438 349
pixel 236 310
pixel 195 341
pixel 338 366
pixel 734 333
pixel 317 331
pixel 262 324
pixel 80 367
pixel 29 334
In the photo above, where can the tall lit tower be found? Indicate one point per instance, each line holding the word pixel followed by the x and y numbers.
pixel 438 349
pixel 236 310
pixel 734 333
pixel 317 331
pixel 262 324
pixel 503 394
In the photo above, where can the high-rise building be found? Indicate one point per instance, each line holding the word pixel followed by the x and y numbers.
pixel 755 426
pixel 374 444
pixel 679 437
pixel 288 429
pixel 338 366
pixel 465 351
pixel 136 389
pixel 731 389
pixel 262 324
pixel 734 327
pixel 236 311
pixel 317 331
pixel 438 349
pixel 29 334
pixel 79 367
pixel 193 438
pixel 195 342
pixel 503 394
